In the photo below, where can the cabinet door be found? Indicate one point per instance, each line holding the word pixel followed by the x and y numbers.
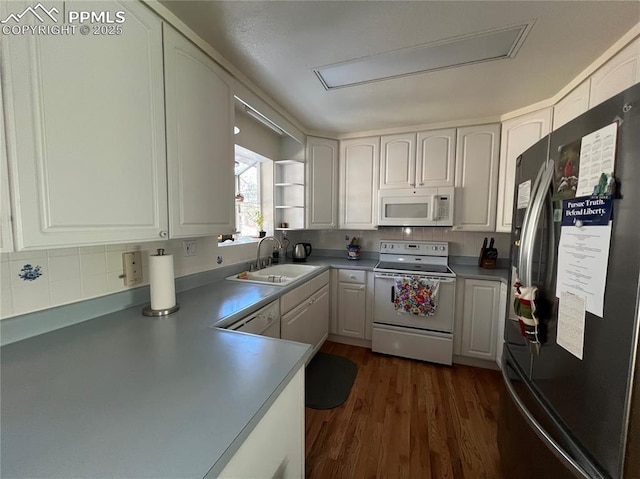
pixel 265 454
pixel 435 158
pixel 572 105
pixel 518 134
pixel 618 74
pixel 6 239
pixel 398 161
pixel 85 128
pixel 322 183
pixel 476 178
pixel 351 309
pixel 480 318
pixel 319 323
pixel 359 166
pixel 200 147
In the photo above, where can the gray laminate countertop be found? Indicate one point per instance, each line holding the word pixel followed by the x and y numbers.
pixel 125 396
pixel 474 272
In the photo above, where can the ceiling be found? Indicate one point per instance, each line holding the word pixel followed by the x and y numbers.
pixel 278 45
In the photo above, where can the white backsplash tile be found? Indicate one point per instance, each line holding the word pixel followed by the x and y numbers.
pixel 27 256
pixel 114 261
pixel 94 285
pixel 93 263
pixel 66 291
pixel 63 268
pixel 54 253
pixel 31 297
pixel 6 303
pixel 69 275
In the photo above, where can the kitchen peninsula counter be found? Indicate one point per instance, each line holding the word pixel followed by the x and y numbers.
pixel 125 395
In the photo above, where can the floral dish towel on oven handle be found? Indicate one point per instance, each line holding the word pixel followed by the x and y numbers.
pixel 416 295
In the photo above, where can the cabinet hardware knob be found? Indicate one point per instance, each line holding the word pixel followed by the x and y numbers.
pixel 163 234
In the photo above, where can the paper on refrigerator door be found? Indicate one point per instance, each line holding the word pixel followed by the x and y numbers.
pixel 524 194
pixel 597 157
pixel 571 316
pixel 583 257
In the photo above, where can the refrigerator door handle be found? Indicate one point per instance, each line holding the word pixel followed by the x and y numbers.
pixel 522 266
pixel 553 446
pixel 529 234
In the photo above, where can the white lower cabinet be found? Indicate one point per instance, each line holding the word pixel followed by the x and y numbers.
pixel 305 317
pixel 480 318
pixel 352 303
pixel 275 448
pixel 480 309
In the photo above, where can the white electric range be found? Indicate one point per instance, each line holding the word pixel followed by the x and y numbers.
pixel 400 333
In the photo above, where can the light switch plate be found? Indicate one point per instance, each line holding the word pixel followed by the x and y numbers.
pixel 132 266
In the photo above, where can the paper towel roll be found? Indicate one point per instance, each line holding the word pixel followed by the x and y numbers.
pixel 163 288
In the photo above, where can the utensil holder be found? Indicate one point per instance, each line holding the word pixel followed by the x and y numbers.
pixel 353 252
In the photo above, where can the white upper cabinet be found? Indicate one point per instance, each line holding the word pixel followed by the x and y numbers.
pixel 435 158
pixel 6 240
pixel 398 161
pixel 476 178
pixel 572 105
pixel 85 134
pixel 618 74
pixel 518 134
pixel 418 160
pixel 359 175
pixel 200 150
pixel 322 183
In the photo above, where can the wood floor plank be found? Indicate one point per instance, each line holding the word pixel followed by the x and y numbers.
pixel 406 419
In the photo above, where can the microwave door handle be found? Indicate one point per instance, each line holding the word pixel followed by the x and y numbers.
pixel 434 209
pixel 532 227
pixel 522 266
pixel 393 293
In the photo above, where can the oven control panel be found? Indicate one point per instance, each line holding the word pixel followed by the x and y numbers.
pixel 418 248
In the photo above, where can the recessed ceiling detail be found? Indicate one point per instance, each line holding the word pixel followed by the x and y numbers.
pixel 478 47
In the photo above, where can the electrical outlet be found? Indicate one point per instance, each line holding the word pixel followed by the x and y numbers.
pixel 132 266
pixel 189 248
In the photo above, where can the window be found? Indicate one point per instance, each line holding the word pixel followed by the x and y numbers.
pixel 248 204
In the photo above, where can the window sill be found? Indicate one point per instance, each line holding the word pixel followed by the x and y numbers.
pixel 239 241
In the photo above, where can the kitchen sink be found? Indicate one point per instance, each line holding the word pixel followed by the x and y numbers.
pixel 277 275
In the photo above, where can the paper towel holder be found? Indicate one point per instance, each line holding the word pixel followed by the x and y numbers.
pixel 148 311
pixel 159 312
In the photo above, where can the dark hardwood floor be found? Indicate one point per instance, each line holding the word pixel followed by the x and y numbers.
pixel 408 419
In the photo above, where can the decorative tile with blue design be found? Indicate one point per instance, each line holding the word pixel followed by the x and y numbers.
pixel 30 273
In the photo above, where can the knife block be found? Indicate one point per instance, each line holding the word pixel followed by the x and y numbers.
pixel 489 258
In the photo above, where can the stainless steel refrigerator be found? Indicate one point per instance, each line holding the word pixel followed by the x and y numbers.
pixel 560 416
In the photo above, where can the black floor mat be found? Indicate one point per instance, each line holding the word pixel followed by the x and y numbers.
pixel 328 380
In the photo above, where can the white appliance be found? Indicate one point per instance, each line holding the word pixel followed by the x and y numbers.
pixel 395 332
pixel 419 207
pixel 264 322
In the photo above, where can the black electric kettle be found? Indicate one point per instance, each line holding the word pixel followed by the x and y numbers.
pixel 301 252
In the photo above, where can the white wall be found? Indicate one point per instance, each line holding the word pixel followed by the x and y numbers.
pixel 75 274
pixel 460 243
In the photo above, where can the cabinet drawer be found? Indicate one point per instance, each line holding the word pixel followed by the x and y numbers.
pixel 352 276
pixel 290 300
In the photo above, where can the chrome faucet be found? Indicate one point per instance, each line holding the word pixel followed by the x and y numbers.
pixel 258 266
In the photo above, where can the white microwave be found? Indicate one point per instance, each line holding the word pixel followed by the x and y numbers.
pixel 416 207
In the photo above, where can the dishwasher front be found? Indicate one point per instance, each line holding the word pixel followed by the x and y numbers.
pixel 264 322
